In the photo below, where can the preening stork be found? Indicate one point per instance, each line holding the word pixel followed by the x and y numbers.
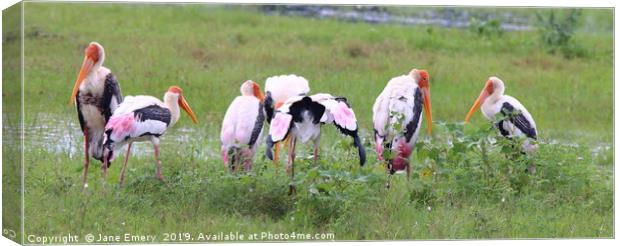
pixel 513 119
pixel 143 118
pixel 301 117
pixel 242 127
pixel 397 118
pixel 96 94
pixel 278 89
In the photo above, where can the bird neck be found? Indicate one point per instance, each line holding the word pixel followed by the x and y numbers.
pixel 95 80
pixel 496 95
pixel 171 100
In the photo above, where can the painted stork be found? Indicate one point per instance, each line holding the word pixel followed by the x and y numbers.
pixel 514 119
pixel 301 117
pixel 278 89
pixel 397 118
pixel 143 118
pixel 96 94
pixel 242 127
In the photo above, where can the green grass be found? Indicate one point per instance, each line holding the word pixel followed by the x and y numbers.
pixel 209 50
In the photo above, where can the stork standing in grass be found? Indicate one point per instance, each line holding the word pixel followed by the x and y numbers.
pixel 397 118
pixel 143 118
pixel 96 94
pixel 278 89
pixel 242 127
pixel 514 119
pixel 301 118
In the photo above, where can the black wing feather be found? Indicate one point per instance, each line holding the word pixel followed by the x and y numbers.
pixel 111 90
pixel 518 119
pixel 79 111
pixel 153 112
pixel 306 104
pixel 500 127
pixel 412 126
pixel 258 126
pixel 269 106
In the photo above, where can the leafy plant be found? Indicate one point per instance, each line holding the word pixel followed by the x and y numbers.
pixel 490 28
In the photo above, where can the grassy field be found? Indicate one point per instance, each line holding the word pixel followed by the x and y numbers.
pixel 463 186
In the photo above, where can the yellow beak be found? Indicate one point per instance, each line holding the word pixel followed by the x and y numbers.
pixel 87 65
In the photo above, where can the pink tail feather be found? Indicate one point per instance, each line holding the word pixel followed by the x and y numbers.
pixel 121 125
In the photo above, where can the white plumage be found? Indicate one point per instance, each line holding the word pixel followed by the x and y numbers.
pixel 239 121
pixel 131 103
pixel 242 126
pixel 397 117
pixel 396 98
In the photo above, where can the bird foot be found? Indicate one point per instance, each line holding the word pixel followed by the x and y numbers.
pixel 531 169
pixel 292 190
pixel 160 177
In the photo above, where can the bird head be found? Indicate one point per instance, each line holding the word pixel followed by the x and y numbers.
pixel 93 57
pixel 422 78
pixel 493 86
pixel 251 88
pixel 178 92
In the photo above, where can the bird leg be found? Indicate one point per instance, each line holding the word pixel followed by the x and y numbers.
pixel 291 165
pixel 531 169
pixel 106 162
pixel 247 159
pixel 106 153
pixel 225 157
pixel 86 159
pixel 122 178
pixel 379 148
pixel 158 163
pixel 276 150
pixel 408 171
pixel 237 160
pixel 316 150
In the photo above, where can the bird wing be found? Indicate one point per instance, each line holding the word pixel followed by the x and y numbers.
pixel 151 120
pixel 519 117
pixel 280 126
pixel 112 96
pixel 78 106
pixel 132 103
pixel 337 111
pixel 413 124
pixel 381 114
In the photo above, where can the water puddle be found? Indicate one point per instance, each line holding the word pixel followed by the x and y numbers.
pixel 49 133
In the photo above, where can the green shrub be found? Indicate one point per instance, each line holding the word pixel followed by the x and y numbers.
pixel 557 33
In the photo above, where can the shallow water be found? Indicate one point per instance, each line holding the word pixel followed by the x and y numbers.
pixel 54 134
pixel 444 17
